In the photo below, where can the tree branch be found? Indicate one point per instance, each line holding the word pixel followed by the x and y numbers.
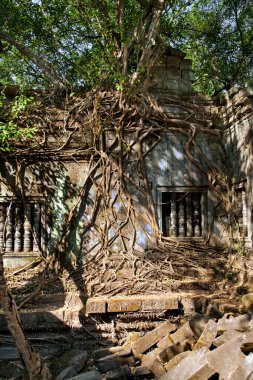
pixel 40 62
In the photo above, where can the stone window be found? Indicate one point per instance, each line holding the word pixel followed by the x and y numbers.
pixel 21 226
pixel 181 213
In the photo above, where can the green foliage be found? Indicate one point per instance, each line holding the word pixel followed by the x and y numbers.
pixel 84 40
pixel 9 128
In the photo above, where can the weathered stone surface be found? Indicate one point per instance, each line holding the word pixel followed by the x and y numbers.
pixel 194 366
pixel 122 373
pixel 188 306
pixel 165 342
pixel 75 365
pixel 152 338
pixel 226 337
pixel 240 323
pixel 151 362
pixel 183 333
pixel 247 301
pixel 177 359
pixel 159 303
pixel 168 353
pixel 207 337
pixel 95 306
pixel 119 350
pixel 141 371
pixel 226 358
pixel 198 323
pixel 90 375
pixel 213 312
pixel 245 369
pixel 110 362
pixel 123 305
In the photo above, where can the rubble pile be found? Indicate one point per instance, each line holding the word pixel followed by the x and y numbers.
pixel 198 349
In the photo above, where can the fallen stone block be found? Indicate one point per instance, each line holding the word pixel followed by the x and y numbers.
pixel 169 353
pixel 198 323
pixel 226 358
pixel 226 337
pixel 95 306
pixel 75 364
pixel 110 362
pixel 90 375
pixel 159 303
pixel 165 342
pixel 141 371
pixel 194 366
pixel 213 312
pixel 183 333
pixel 121 373
pixel 151 338
pixel 245 369
pixel 247 341
pixel 119 350
pixel 177 359
pixel 207 337
pixel 228 322
pixel 121 304
pixel 151 362
pixel 247 301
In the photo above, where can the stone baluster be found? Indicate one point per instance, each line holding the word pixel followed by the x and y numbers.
pixel 9 229
pixel 244 208
pixel 196 215
pixel 2 225
pixel 27 228
pixel 173 216
pixel 181 218
pixel 36 228
pixel 189 215
pixel 18 229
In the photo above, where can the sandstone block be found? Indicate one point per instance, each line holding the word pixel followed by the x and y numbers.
pixel 151 338
pixel 90 375
pixel 207 337
pixel 123 305
pixel 122 373
pixel 198 323
pixel 95 306
pixel 240 323
pixel 110 362
pixel 193 366
pixel 151 362
pixel 177 359
pixel 159 303
pixel 244 370
pixel 183 333
pixel 165 342
pixel 247 301
pixel 226 358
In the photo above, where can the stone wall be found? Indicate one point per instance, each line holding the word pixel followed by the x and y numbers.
pixel 237 117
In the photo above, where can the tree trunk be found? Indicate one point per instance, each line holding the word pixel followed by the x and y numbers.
pixel 33 363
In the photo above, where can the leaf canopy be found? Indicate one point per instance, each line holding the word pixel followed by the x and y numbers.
pixel 109 43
